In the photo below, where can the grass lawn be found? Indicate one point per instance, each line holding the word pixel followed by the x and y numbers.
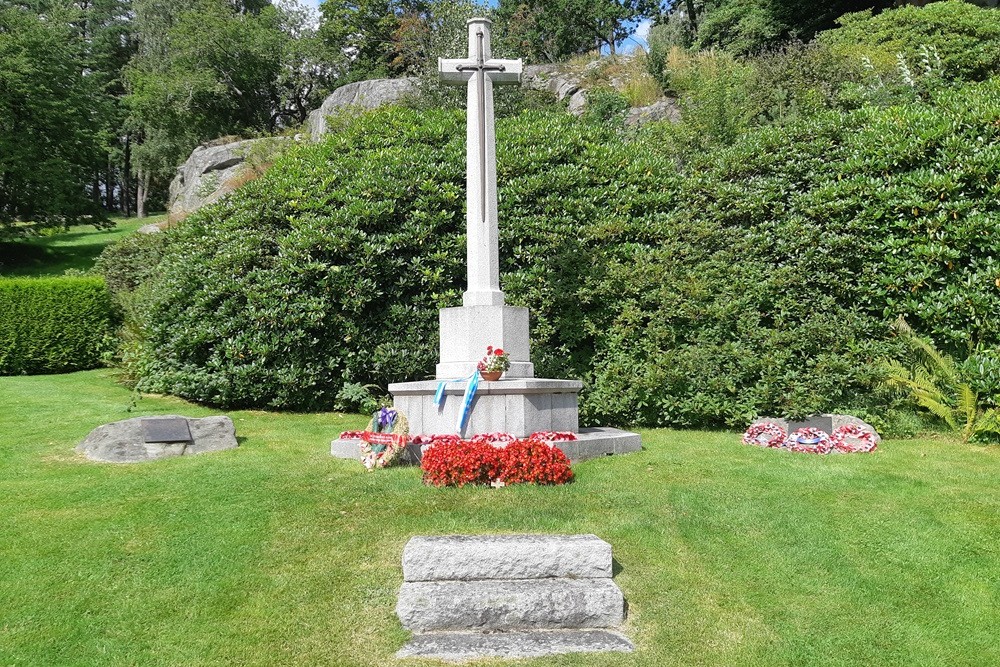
pixel 74 249
pixel 278 554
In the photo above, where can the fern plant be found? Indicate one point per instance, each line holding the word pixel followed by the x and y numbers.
pixel 934 382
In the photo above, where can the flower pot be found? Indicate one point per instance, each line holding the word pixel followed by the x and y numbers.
pixel 491 376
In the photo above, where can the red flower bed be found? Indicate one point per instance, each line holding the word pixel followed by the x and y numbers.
pixel 533 462
pixel 457 463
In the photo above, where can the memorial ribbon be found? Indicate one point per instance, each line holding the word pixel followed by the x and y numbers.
pixel 467 399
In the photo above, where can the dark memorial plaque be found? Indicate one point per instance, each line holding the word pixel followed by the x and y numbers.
pixel 166 430
pixel 824 424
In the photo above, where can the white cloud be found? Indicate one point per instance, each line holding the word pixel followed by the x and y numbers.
pixel 639 38
pixel 642 30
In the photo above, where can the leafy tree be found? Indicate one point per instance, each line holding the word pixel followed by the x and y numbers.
pixel 551 30
pixel 51 113
pixel 749 26
pixel 367 34
pixel 213 69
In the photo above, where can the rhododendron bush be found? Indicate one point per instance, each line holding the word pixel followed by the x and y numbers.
pixel 461 462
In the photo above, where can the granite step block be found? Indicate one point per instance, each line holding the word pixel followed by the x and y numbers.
pixel 467 558
pixel 526 604
pixel 464 646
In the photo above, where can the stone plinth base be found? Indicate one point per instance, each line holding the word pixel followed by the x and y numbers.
pixel 467 331
pixel 592 443
pixel 517 406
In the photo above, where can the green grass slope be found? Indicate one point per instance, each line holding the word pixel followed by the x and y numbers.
pixel 76 249
pixel 278 554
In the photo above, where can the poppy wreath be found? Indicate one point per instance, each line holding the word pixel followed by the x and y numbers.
pixel 810 441
pixel 554 436
pixel 854 438
pixel 495 439
pixel 383 439
pixel 765 434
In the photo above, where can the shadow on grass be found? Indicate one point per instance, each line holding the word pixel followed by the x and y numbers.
pixel 35 259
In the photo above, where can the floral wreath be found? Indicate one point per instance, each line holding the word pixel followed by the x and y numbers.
pixel 854 438
pixel 765 434
pixel 498 440
pixel 553 436
pixel 383 439
pixel 810 441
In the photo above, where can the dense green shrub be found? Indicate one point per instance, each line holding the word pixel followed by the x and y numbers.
pixel 964 36
pixel 331 267
pixel 130 262
pixel 758 278
pixel 793 249
pixel 745 27
pixel 52 325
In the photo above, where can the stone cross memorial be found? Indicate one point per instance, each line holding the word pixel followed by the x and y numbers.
pixel 480 71
pixel 484 318
pixel 518 403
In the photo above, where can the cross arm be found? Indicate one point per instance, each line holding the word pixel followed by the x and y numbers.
pixel 459 70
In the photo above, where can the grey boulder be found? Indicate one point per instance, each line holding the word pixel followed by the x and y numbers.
pixel 122 441
pixel 363 94
pixel 665 109
pixel 212 171
pixel 549 78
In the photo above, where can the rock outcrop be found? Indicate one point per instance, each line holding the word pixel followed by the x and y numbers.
pixel 569 85
pixel 364 94
pixel 215 170
pixel 212 171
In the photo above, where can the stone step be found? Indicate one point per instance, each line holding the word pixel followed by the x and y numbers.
pixel 471 557
pixel 526 604
pixel 461 646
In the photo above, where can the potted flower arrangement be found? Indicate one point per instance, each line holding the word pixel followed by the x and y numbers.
pixel 493 364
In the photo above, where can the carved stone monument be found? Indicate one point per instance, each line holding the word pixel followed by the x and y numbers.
pixel 519 403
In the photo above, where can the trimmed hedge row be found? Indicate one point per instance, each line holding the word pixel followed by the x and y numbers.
pixel 52 325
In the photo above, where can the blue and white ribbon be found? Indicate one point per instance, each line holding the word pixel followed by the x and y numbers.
pixel 467 399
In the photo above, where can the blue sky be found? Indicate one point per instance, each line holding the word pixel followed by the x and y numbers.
pixel 638 38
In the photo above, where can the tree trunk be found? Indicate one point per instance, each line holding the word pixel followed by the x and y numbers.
pixel 127 177
pixel 109 187
pixel 692 16
pixel 141 192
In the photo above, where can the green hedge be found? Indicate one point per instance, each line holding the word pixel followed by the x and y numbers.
pixel 52 325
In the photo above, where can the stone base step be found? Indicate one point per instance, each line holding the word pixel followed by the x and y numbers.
pixel 497 557
pixel 463 646
pixel 592 443
pixel 528 604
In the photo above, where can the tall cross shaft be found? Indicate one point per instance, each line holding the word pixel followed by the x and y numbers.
pixel 480 71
